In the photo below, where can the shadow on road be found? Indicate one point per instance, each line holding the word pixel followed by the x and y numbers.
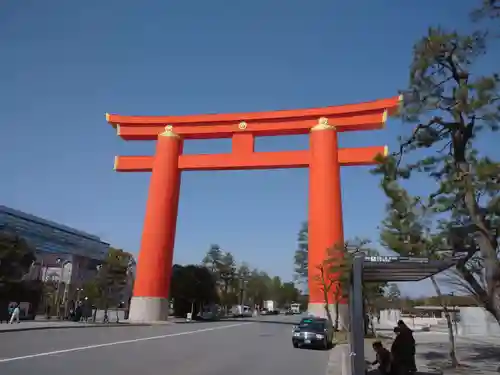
pixel 263 321
pixel 241 320
pixel 376 372
pixel 484 353
pixel 473 358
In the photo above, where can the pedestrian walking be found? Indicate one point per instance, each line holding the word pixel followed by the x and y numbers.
pixel 16 312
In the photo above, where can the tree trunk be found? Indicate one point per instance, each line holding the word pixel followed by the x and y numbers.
pixel 486 240
pixel 327 309
pixel 337 318
pixel 494 307
pixel 105 319
pixel 489 303
pixel 226 288
pixel 106 305
pixel 451 335
pixel 492 270
pixel 371 326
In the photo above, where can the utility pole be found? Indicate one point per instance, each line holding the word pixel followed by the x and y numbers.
pixel 243 284
pixel 226 277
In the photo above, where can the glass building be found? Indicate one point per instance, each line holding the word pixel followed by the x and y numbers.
pixel 63 254
pixel 52 239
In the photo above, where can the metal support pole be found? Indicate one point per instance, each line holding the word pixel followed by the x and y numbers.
pixel 357 330
pixel 243 284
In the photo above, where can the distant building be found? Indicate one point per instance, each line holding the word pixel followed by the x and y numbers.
pixel 63 254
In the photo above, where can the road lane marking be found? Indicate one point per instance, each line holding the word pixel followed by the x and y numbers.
pixel 81 348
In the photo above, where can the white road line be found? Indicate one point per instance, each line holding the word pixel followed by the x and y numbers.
pixel 78 349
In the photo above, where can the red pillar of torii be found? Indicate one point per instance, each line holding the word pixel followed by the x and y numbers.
pixel 324 158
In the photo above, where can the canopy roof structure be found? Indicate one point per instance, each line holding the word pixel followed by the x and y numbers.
pixel 367 269
pixel 400 269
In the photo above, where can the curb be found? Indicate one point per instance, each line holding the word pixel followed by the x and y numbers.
pixel 21 329
pixel 197 321
pixel 109 325
pixel 331 368
pixel 337 364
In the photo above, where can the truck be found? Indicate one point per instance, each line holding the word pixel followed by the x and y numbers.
pixel 270 307
pixel 295 308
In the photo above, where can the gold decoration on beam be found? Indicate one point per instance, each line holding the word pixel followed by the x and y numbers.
pixel 323 125
pixel 169 132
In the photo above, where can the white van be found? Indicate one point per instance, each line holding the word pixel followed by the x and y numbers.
pixel 241 311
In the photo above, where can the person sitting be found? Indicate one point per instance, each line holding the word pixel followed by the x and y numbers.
pixel 383 358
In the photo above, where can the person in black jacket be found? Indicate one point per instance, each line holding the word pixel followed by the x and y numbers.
pixel 402 352
pixel 405 330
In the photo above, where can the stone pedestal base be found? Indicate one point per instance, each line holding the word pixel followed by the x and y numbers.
pixel 148 309
pixel 318 309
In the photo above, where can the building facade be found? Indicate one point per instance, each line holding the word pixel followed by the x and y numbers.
pixel 63 254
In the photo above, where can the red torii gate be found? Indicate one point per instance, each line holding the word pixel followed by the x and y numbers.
pixel 324 158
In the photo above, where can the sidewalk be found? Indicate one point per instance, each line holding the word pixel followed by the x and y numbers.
pixel 338 360
pixel 424 366
pixel 41 323
pixel 481 339
pixel 475 356
pixel 59 324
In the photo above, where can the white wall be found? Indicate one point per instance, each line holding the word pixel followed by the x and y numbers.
pixel 477 321
pixel 473 321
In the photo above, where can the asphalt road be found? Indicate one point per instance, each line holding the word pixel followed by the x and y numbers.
pixel 229 347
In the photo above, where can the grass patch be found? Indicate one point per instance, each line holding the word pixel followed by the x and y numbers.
pixel 341 337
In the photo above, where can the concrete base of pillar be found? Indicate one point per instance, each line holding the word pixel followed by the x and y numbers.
pixel 318 309
pixel 148 309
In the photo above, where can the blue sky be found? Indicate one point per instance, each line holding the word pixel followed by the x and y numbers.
pixel 65 63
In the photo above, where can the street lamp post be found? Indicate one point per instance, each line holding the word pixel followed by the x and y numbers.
pixel 453 314
pixel 78 293
pixel 243 285
pixel 100 292
pixel 62 263
pixel 130 281
pixel 58 286
pixel 227 276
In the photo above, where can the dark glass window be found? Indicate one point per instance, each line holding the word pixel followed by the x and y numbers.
pixel 50 239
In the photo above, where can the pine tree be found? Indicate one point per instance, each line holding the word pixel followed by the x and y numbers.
pixel 301 255
pixel 212 258
pixel 487 8
pixel 16 257
pixel 407 230
pixel 113 275
pixel 450 107
pixel 393 292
